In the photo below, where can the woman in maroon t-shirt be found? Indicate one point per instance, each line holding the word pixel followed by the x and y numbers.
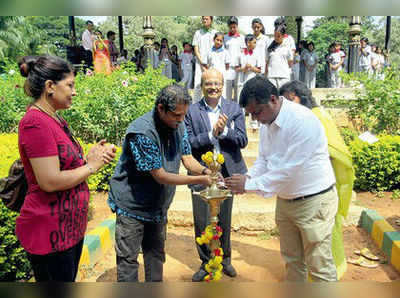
pixel 53 218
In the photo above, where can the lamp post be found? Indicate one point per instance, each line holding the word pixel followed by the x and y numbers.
pixel 148 36
pixel 354 43
pixel 299 21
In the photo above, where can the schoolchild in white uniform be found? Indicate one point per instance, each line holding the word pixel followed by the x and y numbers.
pixel 381 63
pixel 279 59
pixel 262 40
pixel 156 52
pixel 311 62
pixel 336 60
pixel 288 40
pixel 248 66
pixel 234 44
pixel 165 57
pixel 296 66
pixel 365 56
pixel 219 58
pixel 203 41
pixel 186 59
pixel 374 59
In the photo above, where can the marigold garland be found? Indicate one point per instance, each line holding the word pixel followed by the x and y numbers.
pixel 211 237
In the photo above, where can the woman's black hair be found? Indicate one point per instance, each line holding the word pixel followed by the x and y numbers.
pixel 301 90
pixel 273 45
pixel 39 69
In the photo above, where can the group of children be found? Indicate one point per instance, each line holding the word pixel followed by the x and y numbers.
pixel 240 57
pixel 372 58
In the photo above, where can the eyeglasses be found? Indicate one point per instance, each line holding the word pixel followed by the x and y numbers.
pixel 212 84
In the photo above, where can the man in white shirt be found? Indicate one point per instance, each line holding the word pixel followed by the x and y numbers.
pixel 87 44
pixel 294 165
pixel 203 41
pixel 234 44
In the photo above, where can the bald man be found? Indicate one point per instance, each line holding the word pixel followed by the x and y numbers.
pixel 214 122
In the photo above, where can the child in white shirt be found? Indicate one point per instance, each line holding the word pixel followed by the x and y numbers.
pixel 186 60
pixel 248 66
pixel 234 44
pixel 336 60
pixel 219 58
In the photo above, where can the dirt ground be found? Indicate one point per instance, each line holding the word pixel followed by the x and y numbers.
pixel 256 257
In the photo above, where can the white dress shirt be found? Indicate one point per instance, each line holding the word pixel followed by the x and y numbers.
pixel 213 116
pixel 87 40
pixel 293 156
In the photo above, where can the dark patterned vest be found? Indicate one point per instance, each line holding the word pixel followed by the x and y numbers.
pixel 137 192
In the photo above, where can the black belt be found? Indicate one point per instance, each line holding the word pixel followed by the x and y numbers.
pixel 314 194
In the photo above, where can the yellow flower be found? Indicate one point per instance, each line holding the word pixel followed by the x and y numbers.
pixel 218 260
pixel 207 267
pixel 209 154
pixel 204 157
pixel 220 159
pixel 219 268
pixel 199 240
pixel 217 275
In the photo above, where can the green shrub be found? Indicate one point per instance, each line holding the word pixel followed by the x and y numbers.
pixel 104 105
pixel 13 101
pixel 8 152
pixel 14 264
pixel 348 135
pixel 377 165
pixel 377 102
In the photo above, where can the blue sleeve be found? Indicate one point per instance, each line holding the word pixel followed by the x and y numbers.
pixel 145 152
pixel 186 149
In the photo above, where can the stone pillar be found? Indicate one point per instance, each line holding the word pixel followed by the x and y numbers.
pixel 148 36
pixel 354 43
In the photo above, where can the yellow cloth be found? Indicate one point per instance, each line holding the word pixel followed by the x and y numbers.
pixel 344 172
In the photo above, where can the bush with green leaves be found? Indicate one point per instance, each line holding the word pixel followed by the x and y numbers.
pixel 377 101
pixel 377 165
pixel 104 105
pixel 14 264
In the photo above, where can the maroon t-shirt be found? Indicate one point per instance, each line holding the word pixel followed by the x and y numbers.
pixel 50 221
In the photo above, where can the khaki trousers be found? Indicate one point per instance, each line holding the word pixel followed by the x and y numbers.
pixel 305 228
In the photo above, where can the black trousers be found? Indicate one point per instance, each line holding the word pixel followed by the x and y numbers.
pixel 130 235
pixel 201 216
pixel 87 57
pixel 58 267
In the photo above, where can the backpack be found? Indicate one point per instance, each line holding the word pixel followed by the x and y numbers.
pixel 13 188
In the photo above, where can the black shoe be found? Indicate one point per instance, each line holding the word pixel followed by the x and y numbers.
pixel 199 275
pixel 229 270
